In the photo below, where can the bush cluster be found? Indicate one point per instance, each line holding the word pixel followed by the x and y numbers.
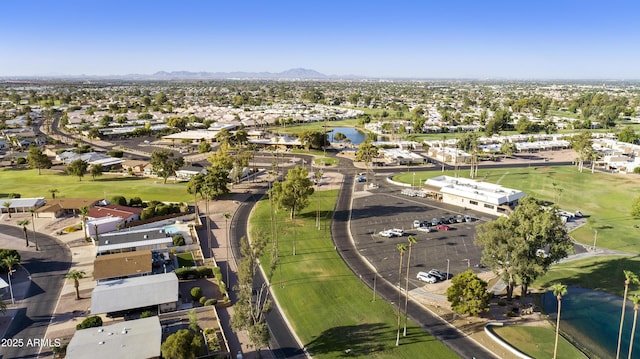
pixel 90 322
pixel 192 273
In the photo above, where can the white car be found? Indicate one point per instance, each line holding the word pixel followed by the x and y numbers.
pixel 426 277
pixel 416 223
pixel 424 229
pixel 387 234
pixel 397 231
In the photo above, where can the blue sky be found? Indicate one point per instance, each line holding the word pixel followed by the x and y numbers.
pixel 394 38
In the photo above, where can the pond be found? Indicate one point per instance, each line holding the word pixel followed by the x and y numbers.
pixel 592 318
pixel 355 137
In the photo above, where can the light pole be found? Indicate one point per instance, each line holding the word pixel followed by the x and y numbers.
pixel 374 288
pixel 9 275
pixel 447 268
pixel 33 226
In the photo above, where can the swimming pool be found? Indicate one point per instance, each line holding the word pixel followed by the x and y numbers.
pixel 171 229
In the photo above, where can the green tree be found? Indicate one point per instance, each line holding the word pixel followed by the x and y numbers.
pixel 313 139
pixel 183 344
pixel 635 208
pixel 165 163
pixel 512 245
pixel 178 122
pixel 221 158
pixel 95 170
pixel 53 192
pixel 508 149
pixel 76 275
pixel 37 159
pixel 84 212
pixel 7 205
pixel 583 145
pixel 366 153
pixel 401 249
pixel 250 309
pixel 559 290
pixel 242 137
pixel 93 321
pixel 627 134
pixel 468 294
pixel 6 253
pixel 204 147
pixel 77 168
pixel 24 223
pixel 629 278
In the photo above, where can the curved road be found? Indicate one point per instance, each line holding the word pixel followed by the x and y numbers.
pixel 48 268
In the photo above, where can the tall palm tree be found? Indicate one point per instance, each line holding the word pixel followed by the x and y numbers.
pixel 412 241
pixel 630 278
pixel 226 229
pixel 76 275
pixel 10 262
pixel 84 211
pixel 559 290
pixel 636 303
pixel 7 205
pixel 53 192
pixel 401 248
pixel 24 223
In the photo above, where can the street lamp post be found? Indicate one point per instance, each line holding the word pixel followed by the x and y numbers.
pixel 374 287
pixel 33 225
pixel 447 268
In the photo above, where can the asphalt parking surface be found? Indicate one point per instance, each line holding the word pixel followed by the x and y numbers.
pixel 385 208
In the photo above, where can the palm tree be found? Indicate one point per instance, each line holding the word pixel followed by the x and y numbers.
pixel 53 192
pixel 401 248
pixel 636 303
pixel 84 211
pixel 412 241
pixel 24 223
pixel 10 262
pixel 630 278
pixel 76 275
pixel 559 290
pixel 226 228
pixel 3 307
pixel 7 205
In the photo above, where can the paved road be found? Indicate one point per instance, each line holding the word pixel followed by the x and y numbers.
pixel 283 343
pixel 450 336
pixel 48 268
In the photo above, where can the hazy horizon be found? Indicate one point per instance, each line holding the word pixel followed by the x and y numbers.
pixel 580 40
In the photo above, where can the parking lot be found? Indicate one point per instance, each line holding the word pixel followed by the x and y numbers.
pixel 387 208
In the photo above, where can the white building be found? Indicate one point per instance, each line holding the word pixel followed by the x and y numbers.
pixel 478 196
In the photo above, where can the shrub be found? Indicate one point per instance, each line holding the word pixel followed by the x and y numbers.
pixel 185 273
pixel 146 314
pixel 202 300
pixel 119 200
pixel 178 240
pixel 210 302
pixel 196 293
pixel 204 272
pixel 90 322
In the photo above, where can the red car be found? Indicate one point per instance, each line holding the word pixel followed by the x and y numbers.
pixel 443 227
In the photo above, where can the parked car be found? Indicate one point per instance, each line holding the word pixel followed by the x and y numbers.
pixel 459 218
pixel 361 179
pixel 424 229
pixel 417 223
pixel 452 220
pixel 434 222
pixel 426 277
pixel 443 227
pixel 387 234
pixel 397 231
pixel 437 274
pixel 468 218
pixel 443 220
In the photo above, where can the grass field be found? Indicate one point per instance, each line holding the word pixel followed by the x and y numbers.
pixel 537 342
pixel 605 198
pixel 312 126
pixel 340 313
pixel 603 273
pixel 29 184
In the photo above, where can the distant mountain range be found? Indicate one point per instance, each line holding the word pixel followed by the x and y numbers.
pixel 292 74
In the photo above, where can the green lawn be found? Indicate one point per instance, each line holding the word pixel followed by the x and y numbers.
pixel 327 161
pixel 537 342
pixel 605 198
pixel 329 308
pixel 29 184
pixel 185 260
pixel 602 273
pixel 312 126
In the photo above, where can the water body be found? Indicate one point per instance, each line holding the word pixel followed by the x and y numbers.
pixel 352 134
pixel 592 318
